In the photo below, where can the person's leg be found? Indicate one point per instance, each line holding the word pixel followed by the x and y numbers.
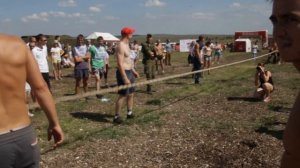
pixel 129 103
pixel 55 71
pixel 106 75
pixel 156 65
pixel 77 85
pixel 59 70
pixel 208 64
pixel 119 105
pixel 162 66
pixel 85 79
pixel 147 73
pixel 170 59
pixel 85 84
pixel 267 89
pixel 97 77
pixel 152 69
pixel 196 67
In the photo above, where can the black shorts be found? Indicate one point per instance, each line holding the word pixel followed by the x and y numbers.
pixel 120 82
pixel 81 73
pixel 46 78
pixel 19 149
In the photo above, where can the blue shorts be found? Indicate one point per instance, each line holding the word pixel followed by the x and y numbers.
pixel 120 82
pixel 81 73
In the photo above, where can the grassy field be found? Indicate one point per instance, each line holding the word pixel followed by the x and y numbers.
pixel 214 124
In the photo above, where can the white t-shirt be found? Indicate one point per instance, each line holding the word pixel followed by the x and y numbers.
pixel 40 56
pixel 56 53
pixel 254 49
pixel 133 55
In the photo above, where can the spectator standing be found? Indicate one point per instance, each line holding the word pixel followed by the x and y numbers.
pixel 81 70
pixel 148 51
pixel 169 50
pixel 40 53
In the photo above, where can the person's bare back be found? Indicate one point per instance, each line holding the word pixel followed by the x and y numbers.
pixel 18 66
pixel 13 60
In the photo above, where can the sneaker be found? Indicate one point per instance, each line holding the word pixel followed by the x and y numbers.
pixel 30 114
pixel 267 99
pixel 130 116
pixel 103 99
pixel 117 120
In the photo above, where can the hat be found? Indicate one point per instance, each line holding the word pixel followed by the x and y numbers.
pixel 127 30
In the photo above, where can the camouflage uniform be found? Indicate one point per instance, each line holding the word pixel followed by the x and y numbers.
pixel 148 61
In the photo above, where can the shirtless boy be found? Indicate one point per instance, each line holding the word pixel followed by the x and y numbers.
pixel 125 74
pixel 18 142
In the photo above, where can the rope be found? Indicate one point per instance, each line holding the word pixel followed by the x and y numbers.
pixel 115 89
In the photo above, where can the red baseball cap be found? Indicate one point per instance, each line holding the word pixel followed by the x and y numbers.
pixel 127 30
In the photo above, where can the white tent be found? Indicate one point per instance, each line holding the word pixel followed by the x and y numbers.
pixel 106 36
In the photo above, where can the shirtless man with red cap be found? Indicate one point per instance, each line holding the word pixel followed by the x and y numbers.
pixel 125 74
pixel 18 142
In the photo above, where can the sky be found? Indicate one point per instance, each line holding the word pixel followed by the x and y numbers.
pixel 73 17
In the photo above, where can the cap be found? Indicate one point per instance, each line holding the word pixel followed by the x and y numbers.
pixel 127 30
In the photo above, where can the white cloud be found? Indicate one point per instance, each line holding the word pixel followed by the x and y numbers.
pixel 95 9
pixel 112 18
pixel 43 16
pixel 203 16
pixel 235 5
pixel 67 3
pixel 155 3
pixel 58 14
pixel 6 20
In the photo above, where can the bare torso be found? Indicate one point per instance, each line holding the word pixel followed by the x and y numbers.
pixel 159 49
pixel 13 112
pixel 127 62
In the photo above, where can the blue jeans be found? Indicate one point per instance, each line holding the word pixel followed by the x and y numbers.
pixel 196 67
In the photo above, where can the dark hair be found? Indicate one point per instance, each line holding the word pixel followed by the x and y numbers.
pixel 208 43
pixel 100 38
pixel 261 64
pixel 201 38
pixel 31 37
pixel 56 37
pixel 149 35
pixel 39 37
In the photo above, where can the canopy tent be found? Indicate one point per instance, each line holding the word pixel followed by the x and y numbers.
pixel 106 36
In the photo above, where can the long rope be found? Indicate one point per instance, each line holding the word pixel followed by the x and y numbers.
pixel 117 88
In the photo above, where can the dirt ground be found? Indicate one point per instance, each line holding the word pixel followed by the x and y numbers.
pixel 212 125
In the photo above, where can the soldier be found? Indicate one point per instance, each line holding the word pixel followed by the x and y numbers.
pixel 148 51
